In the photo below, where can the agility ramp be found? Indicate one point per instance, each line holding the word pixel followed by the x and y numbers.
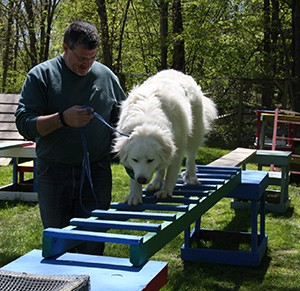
pixel 168 217
pixel 146 228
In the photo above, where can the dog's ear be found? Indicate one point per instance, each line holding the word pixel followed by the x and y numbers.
pixel 168 150
pixel 120 147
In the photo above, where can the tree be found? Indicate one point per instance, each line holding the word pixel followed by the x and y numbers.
pixel 178 50
pixel 8 45
pixel 105 39
pixel 164 27
pixel 296 53
pixel 26 36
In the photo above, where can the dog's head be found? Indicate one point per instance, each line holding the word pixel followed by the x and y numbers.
pixel 149 148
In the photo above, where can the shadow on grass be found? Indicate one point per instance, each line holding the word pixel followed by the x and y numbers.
pixel 221 277
pixel 7 258
pixel 288 214
pixel 6 204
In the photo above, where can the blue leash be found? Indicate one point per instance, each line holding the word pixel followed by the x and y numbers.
pixel 99 117
pixel 86 168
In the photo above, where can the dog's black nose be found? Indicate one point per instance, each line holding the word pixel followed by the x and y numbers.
pixel 141 180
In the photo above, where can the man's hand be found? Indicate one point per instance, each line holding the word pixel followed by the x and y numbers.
pixel 77 116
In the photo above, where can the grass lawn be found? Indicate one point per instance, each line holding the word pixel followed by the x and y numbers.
pixel 21 231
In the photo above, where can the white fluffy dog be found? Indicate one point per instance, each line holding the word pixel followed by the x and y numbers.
pixel 166 117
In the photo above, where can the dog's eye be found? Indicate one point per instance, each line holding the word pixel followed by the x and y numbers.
pixel 150 161
pixel 135 160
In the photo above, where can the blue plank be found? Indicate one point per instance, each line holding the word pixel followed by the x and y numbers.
pixel 90 224
pixel 132 215
pixel 217 169
pixel 150 198
pixel 189 193
pixel 83 235
pixel 209 178
pixel 145 206
pixel 198 188
pixel 212 181
pixel 214 175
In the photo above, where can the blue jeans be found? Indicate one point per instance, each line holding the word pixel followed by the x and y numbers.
pixel 59 192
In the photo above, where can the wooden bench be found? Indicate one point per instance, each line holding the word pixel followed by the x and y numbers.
pixel 9 132
pixel 8 129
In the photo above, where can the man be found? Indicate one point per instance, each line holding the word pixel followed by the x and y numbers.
pixel 56 111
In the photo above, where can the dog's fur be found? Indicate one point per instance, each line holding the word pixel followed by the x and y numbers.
pixel 166 117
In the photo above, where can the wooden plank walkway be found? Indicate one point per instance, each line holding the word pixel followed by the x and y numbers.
pixel 236 158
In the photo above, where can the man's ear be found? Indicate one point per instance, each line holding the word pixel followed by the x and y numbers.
pixel 65 47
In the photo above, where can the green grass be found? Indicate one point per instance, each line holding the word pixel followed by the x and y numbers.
pixel 21 231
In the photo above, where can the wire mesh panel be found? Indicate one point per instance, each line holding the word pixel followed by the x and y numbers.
pixel 15 281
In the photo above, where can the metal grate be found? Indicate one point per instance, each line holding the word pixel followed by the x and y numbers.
pixel 15 281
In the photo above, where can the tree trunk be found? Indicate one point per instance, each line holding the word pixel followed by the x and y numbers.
pixel 296 70
pixel 164 33
pixel 105 39
pixel 266 98
pixel 31 31
pixel 6 59
pixel 118 68
pixel 178 53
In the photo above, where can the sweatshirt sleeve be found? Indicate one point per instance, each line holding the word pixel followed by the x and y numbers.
pixel 119 96
pixel 30 106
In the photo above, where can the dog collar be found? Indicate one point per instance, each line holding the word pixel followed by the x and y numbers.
pixel 130 172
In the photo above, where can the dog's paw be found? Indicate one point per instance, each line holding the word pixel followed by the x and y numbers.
pixel 163 194
pixel 133 200
pixel 190 179
pixel 154 186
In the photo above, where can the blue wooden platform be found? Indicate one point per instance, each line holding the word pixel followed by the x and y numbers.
pixel 106 273
pixel 252 188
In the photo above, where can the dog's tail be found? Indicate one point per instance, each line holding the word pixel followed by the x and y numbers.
pixel 210 113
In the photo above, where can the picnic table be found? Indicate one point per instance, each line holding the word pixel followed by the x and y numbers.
pixel 17 150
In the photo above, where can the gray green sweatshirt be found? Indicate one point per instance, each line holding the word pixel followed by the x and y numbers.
pixel 51 87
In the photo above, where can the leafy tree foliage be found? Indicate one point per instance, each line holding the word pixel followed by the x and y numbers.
pixel 242 52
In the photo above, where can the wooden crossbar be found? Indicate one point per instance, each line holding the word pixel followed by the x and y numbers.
pixel 115 224
pixel 147 206
pixel 133 215
pixel 94 236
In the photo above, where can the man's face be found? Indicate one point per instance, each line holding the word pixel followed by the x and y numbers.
pixel 80 59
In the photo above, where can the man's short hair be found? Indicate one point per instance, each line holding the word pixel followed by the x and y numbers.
pixel 81 33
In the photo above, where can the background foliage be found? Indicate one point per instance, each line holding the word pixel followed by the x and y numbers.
pixel 242 52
